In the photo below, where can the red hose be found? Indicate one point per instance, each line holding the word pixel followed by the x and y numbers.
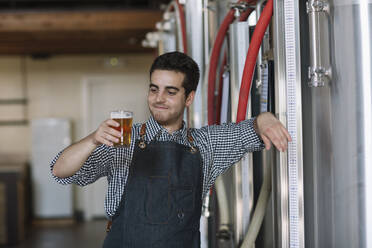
pixel 183 26
pixel 229 18
pixel 250 61
pixel 213 63
pixel 243 17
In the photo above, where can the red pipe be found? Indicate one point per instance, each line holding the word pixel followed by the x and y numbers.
pixel 243 17
pixel 214 61
pixel 229 18
pixel 250 61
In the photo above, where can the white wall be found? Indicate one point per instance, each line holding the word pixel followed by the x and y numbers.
pixel 12 139
pixel 54 88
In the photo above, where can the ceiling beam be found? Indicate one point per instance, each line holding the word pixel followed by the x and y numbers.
pixel 82 20
pixel 76 32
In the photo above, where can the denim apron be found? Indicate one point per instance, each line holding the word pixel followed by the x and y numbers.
pixel 163 198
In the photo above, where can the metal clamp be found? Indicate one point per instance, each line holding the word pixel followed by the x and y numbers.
pixel 242 6
pixel 317 6
pixel 261 66
pixel 318 76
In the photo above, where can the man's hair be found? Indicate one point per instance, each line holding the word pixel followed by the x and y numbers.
pixel 179 62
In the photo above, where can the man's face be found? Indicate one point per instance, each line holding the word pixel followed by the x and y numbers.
pixel 166 97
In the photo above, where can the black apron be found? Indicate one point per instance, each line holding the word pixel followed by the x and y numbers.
pixel 163 198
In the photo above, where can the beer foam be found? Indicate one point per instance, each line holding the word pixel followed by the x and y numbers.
pixel 121 114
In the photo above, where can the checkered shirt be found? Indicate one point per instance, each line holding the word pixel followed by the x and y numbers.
pixel 220 146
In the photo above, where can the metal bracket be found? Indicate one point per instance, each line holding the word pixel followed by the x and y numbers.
pixel 319 76
pixel 242 6
pixel 262 66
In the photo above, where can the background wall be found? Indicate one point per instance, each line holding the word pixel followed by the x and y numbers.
pixel 53 88
pixel 57 87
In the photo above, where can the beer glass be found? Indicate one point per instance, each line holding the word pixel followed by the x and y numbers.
pixel 125 119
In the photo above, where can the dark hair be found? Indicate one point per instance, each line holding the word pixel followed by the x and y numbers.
pixel 179 62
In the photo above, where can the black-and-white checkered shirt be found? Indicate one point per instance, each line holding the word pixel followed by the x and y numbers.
pixel 220 147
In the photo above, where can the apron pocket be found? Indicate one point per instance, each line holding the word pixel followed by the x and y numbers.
pixel 184 197
pixel 158 200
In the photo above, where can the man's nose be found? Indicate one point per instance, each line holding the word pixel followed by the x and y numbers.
pixel 160 97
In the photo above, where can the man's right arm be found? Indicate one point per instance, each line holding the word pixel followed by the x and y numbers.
pixel 73 157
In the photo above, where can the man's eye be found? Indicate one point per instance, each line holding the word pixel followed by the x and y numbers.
pixel 153 90
pixel 172 93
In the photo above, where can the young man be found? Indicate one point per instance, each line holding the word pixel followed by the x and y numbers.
pixel 157 184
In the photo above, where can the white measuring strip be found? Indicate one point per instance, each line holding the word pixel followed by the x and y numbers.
pixel 264 88
pixel 295 236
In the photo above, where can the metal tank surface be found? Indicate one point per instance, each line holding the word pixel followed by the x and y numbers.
pixel 337 128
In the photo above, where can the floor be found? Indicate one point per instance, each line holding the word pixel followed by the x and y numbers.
pixel 80 235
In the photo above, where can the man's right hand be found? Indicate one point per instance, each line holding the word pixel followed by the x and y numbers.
pixel 74 156
pixel 106 133
pixel 271 130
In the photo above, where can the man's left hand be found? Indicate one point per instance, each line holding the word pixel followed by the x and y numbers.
pixel 271 130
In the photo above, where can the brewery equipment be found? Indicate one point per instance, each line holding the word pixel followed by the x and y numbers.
pixel 314 73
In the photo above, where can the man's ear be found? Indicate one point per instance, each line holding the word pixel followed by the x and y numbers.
pixel 190 98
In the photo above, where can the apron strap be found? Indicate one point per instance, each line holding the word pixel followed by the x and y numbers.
pixel 142 143
pixel 191 141
pixel 108 226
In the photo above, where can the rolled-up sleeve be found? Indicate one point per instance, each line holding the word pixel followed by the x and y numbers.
pixel 229 142
pixel 97 165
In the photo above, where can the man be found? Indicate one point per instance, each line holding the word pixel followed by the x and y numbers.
pixel 156 185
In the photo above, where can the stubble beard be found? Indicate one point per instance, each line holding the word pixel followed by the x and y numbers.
pixel 164 121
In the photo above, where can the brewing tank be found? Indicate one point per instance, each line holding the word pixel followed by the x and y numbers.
pixel 337 124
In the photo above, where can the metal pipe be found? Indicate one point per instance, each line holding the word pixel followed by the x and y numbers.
pixel 242 172
pixel 206 31
pixel 195 46
pixel 319 70
pixel 259 213
pixel 179 17
pixel 224 217
pixel 259 56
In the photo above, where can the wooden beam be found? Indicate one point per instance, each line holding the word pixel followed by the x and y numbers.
pixel 79 21
pixel 76 32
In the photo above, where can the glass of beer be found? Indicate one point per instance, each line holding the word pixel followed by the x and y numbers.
pixel 125 119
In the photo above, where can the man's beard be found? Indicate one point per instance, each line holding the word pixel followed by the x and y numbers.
pixel 164 121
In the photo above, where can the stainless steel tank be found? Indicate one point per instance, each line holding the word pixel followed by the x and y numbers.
pixel 337 128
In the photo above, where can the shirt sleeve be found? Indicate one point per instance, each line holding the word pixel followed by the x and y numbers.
pixel 229 142
pixel 97 165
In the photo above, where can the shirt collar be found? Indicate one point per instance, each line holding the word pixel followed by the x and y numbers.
pixel 153 128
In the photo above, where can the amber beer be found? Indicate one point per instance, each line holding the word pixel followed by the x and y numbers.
pixel 125 119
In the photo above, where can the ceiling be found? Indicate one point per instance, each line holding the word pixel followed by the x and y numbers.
pixel 78 4
pixel 40 27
